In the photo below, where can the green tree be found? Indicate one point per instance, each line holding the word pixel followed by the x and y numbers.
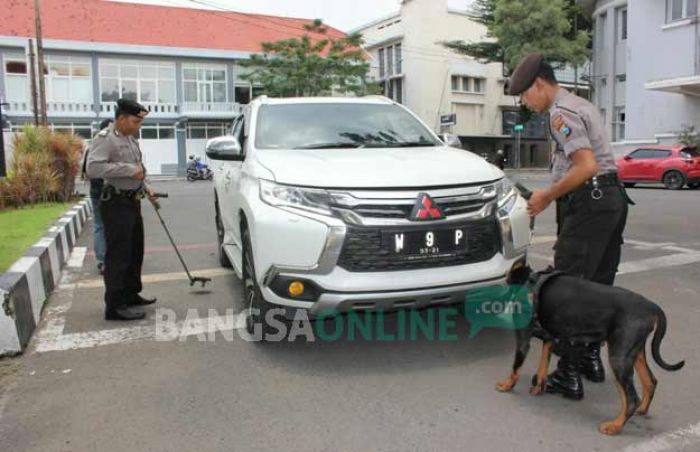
pixel 310 67
pixel 556 28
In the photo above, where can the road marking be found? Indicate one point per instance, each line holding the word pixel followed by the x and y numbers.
pixel 671 441
pixel 160 277
pixel 183 329
pixel 164 249
pixel 536 240
pixel 656 263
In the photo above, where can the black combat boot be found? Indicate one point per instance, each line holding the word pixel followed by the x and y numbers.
pixel 565 380
pixel 590 365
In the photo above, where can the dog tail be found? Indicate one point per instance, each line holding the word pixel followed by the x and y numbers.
pixel 656 343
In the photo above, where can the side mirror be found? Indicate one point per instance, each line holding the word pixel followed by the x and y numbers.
pixel 627 157
pixel 224 148
pixel 451 140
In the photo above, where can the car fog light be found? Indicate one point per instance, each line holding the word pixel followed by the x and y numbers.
pixel 296 288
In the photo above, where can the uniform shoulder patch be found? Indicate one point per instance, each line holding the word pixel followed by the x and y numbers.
pixel 103 133
pixel 561 126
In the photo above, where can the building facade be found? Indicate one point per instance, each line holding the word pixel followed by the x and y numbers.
pixel 183 67
pixel 646 69
pixel 416 70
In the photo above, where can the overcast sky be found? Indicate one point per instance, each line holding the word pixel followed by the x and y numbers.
pixel 341 14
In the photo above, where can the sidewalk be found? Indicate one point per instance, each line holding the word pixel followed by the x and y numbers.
pixel 538 174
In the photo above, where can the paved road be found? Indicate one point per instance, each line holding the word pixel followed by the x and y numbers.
pixel 88 384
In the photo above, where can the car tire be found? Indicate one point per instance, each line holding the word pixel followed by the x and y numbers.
pixel 673 180
pixel 693 185
pixel 252 295
pixel 629 184
pixel 221 255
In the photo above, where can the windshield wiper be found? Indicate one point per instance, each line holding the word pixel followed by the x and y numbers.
pixel 401 144
pixel 331 145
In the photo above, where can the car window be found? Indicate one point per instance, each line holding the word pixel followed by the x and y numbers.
pixel 338 125
pixel 689 152
pixel 660 154
pixel 640 154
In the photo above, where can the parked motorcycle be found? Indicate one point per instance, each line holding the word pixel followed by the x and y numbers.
pixel 198 170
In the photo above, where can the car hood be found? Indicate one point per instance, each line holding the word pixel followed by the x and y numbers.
pixel 377 168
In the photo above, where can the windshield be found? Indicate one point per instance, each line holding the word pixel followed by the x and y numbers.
pixel 341 125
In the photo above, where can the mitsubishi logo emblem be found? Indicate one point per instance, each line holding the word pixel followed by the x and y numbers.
pixel 425 209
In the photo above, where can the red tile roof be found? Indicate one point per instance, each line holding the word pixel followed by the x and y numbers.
pixel 128 23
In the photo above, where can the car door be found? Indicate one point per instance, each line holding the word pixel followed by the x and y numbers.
pixel 661 161
pixel 633 164
pixel 228 189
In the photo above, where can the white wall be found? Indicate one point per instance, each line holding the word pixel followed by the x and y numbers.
pixel 158 152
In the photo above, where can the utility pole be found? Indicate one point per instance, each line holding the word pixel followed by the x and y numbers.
pixel 35 107
pixel 3 169
pixel 40 57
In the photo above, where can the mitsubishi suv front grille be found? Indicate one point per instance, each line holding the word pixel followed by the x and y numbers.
pixel 363 250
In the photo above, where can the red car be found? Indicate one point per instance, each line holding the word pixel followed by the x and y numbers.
pixel 674 166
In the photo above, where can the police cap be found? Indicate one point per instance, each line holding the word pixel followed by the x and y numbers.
pixel 525 74
pixel 130 107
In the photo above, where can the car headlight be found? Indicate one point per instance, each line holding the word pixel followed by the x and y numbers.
pixel 308 199
pixel 505 195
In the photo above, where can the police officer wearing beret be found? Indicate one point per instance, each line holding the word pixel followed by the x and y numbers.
pixel 590 200
pixel 115 157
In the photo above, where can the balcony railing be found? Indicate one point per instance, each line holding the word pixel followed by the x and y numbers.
pixel 153 108
pixel 52 108
pixel 62 108
pixel 211 107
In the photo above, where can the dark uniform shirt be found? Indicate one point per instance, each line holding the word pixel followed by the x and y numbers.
pixel 576 124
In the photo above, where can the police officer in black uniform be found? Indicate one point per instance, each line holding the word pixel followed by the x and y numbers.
pixel 591 203
pixel 116 158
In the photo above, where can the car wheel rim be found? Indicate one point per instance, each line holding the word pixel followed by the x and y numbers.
pixel 673 180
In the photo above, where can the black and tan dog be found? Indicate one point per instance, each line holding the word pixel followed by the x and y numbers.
pixel 579 311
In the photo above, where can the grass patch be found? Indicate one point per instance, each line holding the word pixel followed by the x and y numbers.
pixel 21 228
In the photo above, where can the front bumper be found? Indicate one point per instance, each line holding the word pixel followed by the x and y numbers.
pixel 344 291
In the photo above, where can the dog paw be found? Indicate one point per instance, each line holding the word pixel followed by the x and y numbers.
pixel 505 386
pixel 609 428
pixel 537 390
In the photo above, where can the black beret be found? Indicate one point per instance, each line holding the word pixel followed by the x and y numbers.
pixel 525 74
pixel 131 107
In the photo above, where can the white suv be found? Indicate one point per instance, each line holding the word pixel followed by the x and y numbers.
pixel 354 204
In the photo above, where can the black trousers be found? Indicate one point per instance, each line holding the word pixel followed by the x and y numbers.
pixel 123 227
pixel 589 233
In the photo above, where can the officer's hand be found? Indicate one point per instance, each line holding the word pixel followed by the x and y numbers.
pixel 138 175
pixel 539 201
pixel 151 194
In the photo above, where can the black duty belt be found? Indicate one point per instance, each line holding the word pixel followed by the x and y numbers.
pixel 109 191
pixel 602 180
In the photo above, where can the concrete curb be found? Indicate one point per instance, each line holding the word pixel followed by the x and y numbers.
pixel 28 283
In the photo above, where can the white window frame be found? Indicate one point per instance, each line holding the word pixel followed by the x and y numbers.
pixel 686 13
pixel 16 57
pixel 161 67
pixel 204 84
pixel 158 126
pixel 71 127
pixel 211 129
pixel 390 61
pixel 619 123
pixel 622 19
pixel 469 81
pixel 70 61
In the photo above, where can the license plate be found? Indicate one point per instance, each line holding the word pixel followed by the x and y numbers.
pixel 426 243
